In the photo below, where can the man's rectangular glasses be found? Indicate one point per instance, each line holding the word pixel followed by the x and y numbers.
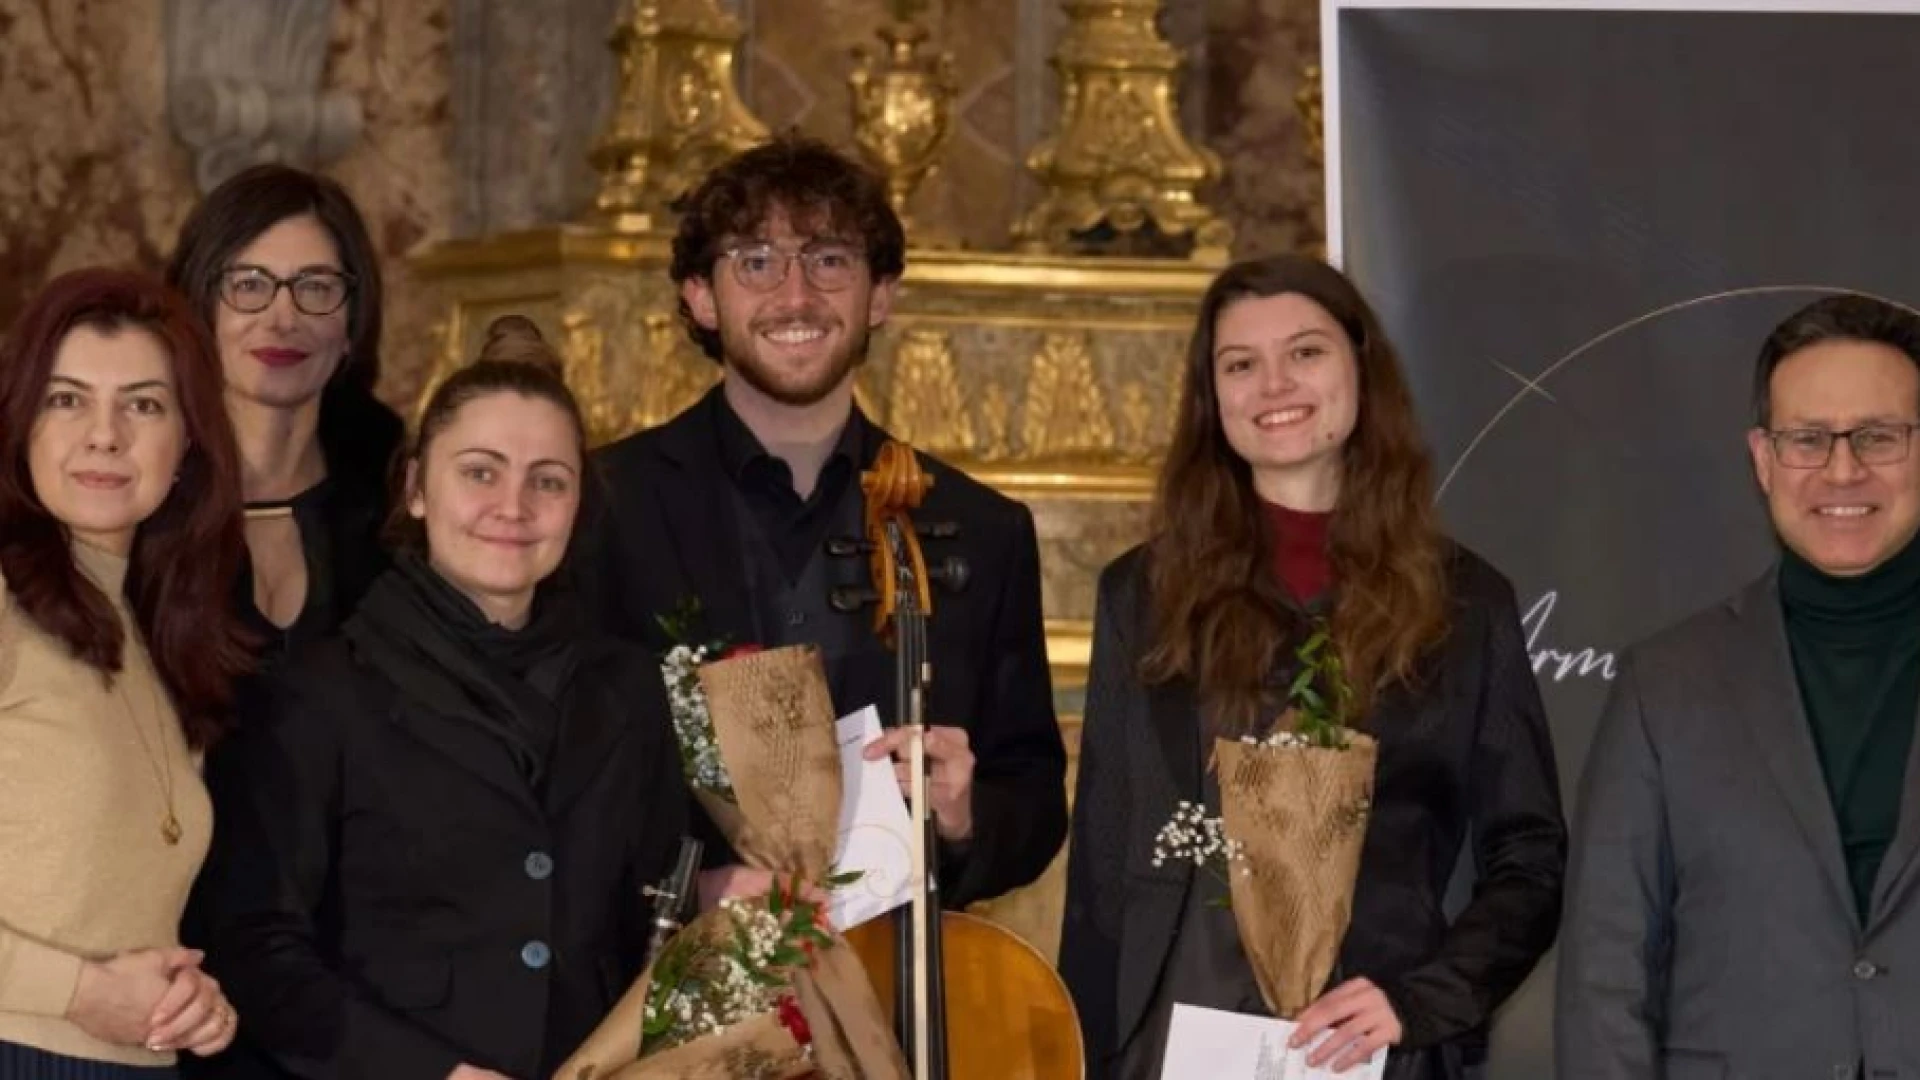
pixel 1812 448
pixel 759 266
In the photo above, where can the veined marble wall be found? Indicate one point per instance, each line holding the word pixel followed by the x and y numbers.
pixel 477 114
pixel 94 174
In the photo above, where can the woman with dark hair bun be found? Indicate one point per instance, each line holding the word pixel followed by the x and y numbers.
pixel 119 539
pixel 437 825
pixel 1296 507
pixel 279 265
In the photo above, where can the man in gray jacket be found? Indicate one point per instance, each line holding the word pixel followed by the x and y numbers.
pixel 1744 894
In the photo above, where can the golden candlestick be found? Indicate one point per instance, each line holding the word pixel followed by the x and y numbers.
pixel 1120 177
pixel 902 107
pixel 677 113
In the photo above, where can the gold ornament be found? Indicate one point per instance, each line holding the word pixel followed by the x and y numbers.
pixel 902 106
pixel 1120 178
pixel 677 113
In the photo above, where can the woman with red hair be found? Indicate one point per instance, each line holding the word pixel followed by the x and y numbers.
pixel 120 537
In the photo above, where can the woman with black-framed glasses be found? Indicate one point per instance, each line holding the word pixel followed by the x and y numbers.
pixel 279 265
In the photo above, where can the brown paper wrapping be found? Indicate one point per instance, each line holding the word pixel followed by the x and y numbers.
pixel 1301 815
pixel 774 721
pixel 760 1048
pixel 757 1049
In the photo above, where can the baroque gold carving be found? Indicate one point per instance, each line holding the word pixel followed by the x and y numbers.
pixel 1136 414
pixel 583 348
pixel 902 105
pixel 1119 177
pixel 996 419
pixel 676 114
pixel 1065 412
pixel 925 406
pixel 1310 103
pixel 677 372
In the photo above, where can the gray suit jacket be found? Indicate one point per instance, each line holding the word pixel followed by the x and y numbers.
pixel 1710 928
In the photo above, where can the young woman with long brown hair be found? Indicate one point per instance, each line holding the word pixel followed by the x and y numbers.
pixel 1296 493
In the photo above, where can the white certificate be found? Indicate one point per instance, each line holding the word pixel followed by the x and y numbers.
pixel 874 827
pixel 1207 1044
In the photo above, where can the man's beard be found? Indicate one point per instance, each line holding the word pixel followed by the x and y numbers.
pixel 742 359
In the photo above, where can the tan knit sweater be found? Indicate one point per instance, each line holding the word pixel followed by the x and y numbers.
pixel 85 764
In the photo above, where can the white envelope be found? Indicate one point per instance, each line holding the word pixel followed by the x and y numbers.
pixel 1208 1044
pixel 874 827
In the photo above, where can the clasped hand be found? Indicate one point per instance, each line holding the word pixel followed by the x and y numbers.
pixel 156 998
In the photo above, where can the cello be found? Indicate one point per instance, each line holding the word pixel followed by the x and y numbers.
pixel 1014 1014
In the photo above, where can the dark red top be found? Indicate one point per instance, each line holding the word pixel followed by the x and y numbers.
pixel 1300 550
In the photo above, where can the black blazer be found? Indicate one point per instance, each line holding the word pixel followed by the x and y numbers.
pixel 1470 752
pixel 387 897
pixel 667 532
pixel 340 521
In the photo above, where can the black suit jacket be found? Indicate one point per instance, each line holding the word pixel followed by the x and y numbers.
pixel 388 897
pixel 667 532
pixel 1469 752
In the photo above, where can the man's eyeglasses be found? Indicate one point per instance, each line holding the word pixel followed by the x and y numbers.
pixel 1812 448
pixel 829 266
pixel 250 289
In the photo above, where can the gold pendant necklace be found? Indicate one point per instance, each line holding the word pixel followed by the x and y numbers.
pixel 160 763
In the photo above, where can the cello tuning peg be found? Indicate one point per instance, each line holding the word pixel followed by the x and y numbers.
pixel 951 572
pixel 841 547
pixel 852 598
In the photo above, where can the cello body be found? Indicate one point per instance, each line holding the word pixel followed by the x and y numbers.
pixel 1008 1014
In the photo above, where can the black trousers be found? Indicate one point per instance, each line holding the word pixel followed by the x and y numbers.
pixel 25 1063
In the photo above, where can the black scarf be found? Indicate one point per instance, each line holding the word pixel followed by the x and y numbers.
pixel 436 646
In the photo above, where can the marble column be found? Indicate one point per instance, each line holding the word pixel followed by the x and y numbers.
pixel 531 86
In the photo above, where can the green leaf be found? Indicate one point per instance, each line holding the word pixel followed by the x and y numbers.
pixel 1300 682
pixel 844 878
pixel 1314 643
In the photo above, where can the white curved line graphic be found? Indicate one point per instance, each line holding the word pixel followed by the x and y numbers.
pixel 1533 385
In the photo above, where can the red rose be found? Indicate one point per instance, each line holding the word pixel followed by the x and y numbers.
pixel 794 1020
pixel 741 650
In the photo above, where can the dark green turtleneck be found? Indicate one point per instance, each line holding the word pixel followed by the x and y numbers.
pixel 1856 651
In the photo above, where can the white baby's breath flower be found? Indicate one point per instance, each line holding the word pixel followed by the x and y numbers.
pixel 700 758
pixel 1190 835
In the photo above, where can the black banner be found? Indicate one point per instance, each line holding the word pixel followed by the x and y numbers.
pixel 1579 226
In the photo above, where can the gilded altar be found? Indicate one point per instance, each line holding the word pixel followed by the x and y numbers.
pixel 1051 378
pixel 1049 371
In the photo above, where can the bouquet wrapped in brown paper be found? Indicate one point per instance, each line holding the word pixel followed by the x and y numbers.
pixel 759 749
pixel 718 1002
pixel 1297 816
pixel 1294 808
